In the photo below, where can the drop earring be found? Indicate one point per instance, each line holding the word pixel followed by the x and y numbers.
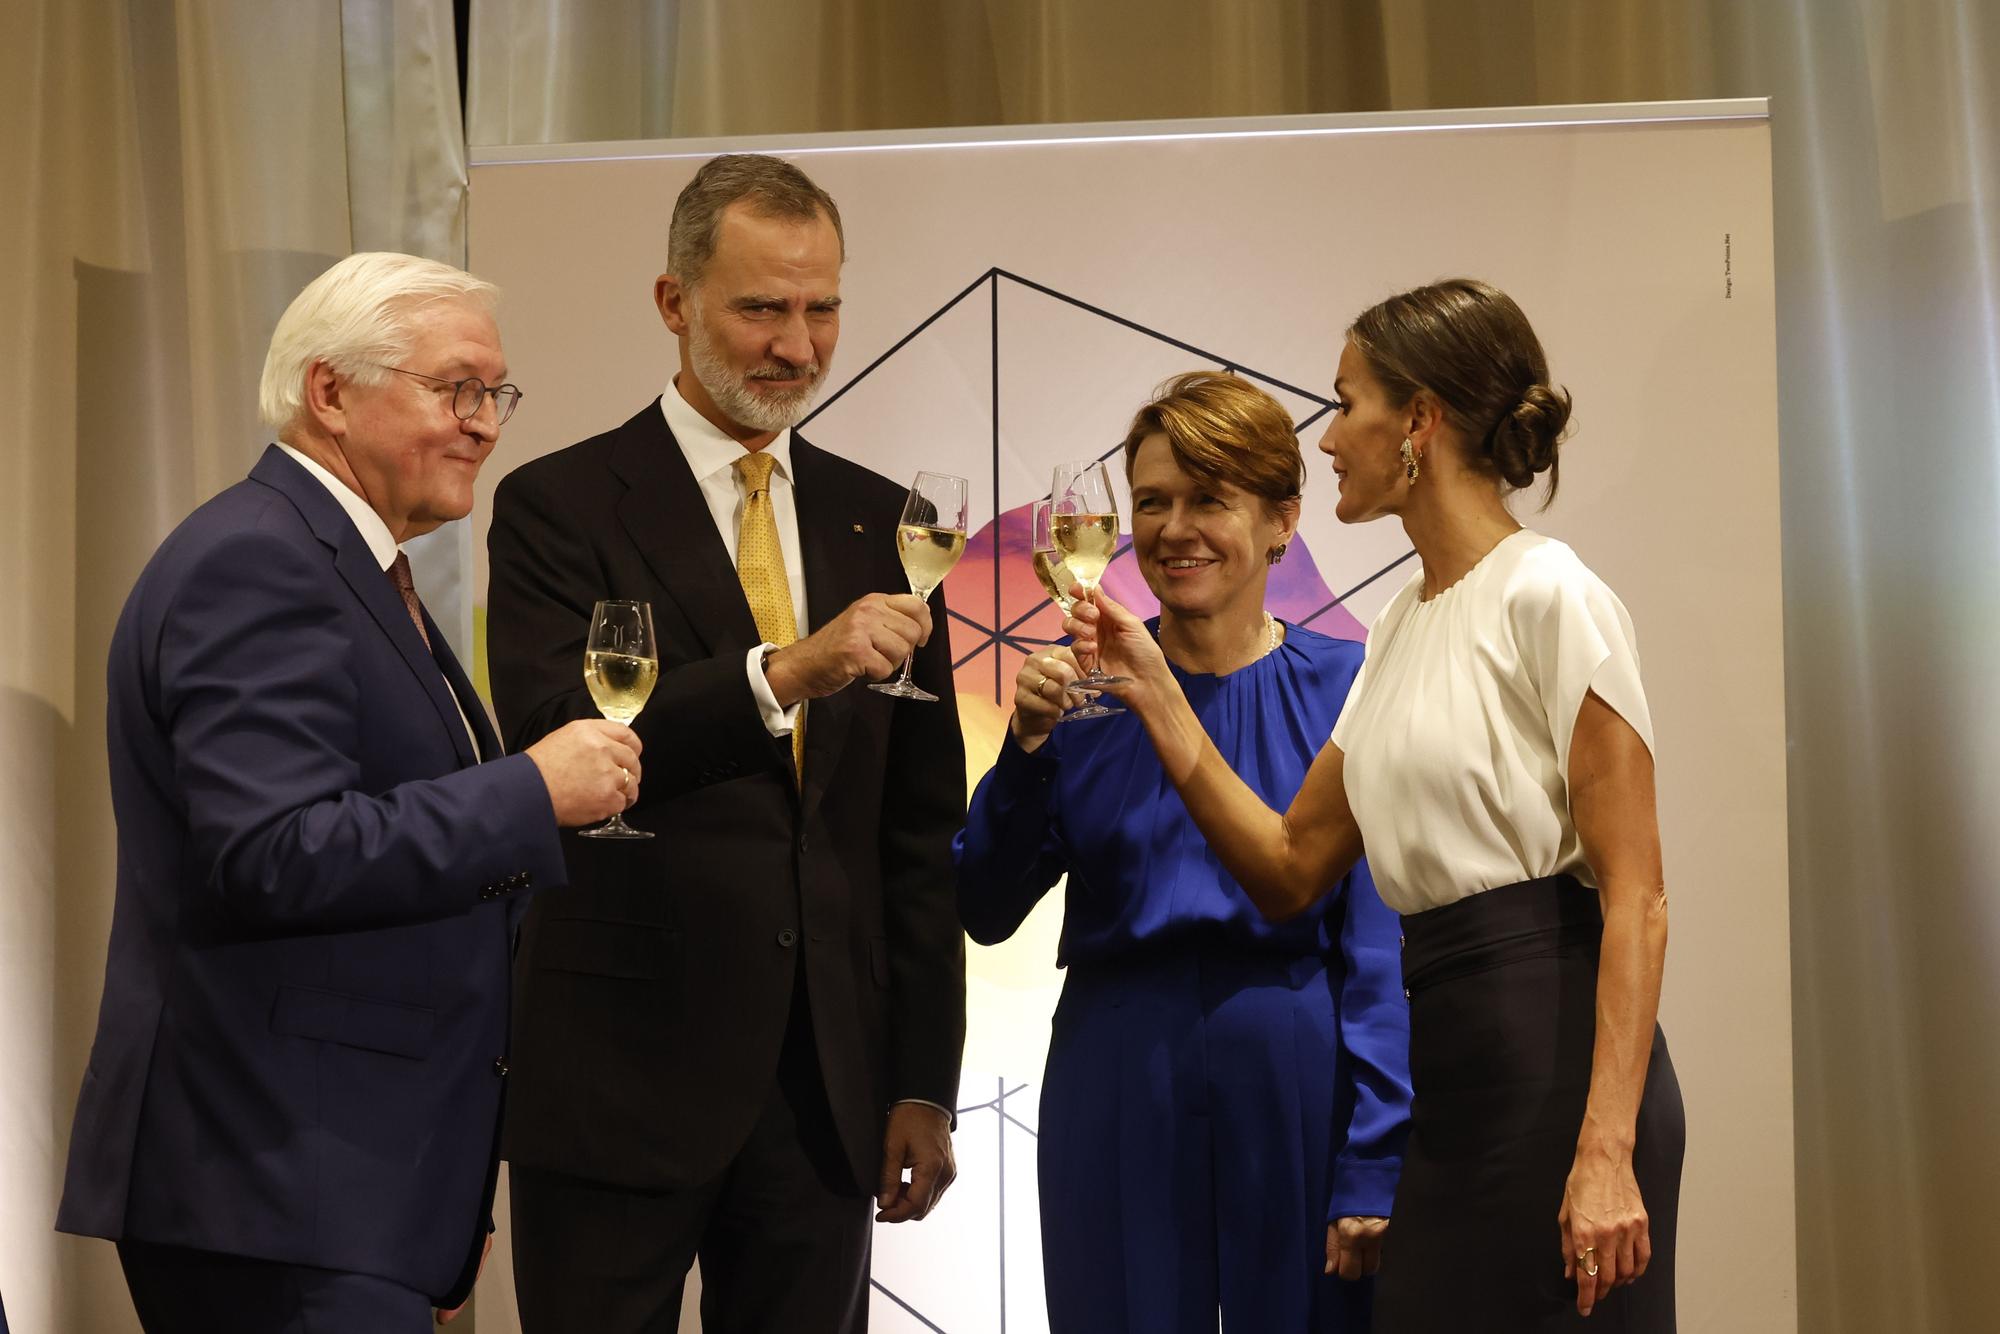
pixel 1412 465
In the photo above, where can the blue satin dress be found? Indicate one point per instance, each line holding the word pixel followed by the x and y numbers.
pixel 1218 1086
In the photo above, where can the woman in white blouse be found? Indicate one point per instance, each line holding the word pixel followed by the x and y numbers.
pixel 1495 759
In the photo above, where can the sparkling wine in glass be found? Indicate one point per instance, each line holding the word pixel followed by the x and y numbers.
pixel 930 539
pixel 1054 575
pixel 1083 521
pixel 1056 579
pixel 621 661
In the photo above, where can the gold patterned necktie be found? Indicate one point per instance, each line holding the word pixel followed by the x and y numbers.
pixel 760 565
pixel 399 575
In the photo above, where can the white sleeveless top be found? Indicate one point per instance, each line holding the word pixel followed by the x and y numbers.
pixel 1457 731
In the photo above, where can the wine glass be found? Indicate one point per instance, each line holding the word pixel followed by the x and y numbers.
pixel 930 539
pixel 1049 568
pixel 1056 579
pixel 621 661
pixel 1083 520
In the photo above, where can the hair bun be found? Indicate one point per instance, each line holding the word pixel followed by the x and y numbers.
pixel 1526 438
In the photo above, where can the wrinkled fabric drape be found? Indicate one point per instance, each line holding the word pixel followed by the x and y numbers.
pixel 1886 139
pixel 175 172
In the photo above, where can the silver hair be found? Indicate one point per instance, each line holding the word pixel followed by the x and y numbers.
pixel 356 313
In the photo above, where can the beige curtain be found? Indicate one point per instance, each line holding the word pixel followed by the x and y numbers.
pixel 1886 129
pixel 175 171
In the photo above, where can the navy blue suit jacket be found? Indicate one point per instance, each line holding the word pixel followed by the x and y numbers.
pixel 300 1049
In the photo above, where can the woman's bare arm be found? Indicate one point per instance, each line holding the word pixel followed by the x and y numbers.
pixel 1612 803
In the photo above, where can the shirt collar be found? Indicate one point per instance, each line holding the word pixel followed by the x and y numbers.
pixel 708 448
pixel 381 544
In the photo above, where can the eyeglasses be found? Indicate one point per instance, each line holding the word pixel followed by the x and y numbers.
pixel 469 394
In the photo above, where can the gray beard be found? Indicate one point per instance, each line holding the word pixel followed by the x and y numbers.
pixel 762 412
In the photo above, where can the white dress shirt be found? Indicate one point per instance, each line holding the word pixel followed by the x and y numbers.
pixel 381 545
pixel 711 455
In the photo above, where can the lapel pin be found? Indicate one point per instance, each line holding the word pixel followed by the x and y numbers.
pixel 858 528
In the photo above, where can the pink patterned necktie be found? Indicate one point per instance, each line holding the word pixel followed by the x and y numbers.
pixel 399 575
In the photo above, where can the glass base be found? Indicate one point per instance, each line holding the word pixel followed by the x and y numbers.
pixel 903 690
pixel 1094 709
pixel 1095 682
pixel 615 827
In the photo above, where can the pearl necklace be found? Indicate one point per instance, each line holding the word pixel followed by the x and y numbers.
pixel 1271 633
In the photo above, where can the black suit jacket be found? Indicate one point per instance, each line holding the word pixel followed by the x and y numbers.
pixel 654 992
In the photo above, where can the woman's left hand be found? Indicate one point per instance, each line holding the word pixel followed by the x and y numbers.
pixel 1606 1237
pixel 1354 1246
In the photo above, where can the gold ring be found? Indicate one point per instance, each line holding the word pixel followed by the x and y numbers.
pixel 1585 1254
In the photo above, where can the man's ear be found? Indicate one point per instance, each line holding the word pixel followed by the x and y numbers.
pixel 326 399
pixel 673 299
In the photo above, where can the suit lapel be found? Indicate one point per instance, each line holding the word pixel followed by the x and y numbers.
pixel 355 564
pixel 468 698
pixel 668 521
pixel 836 573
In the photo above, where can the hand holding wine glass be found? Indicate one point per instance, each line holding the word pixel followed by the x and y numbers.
pixel 1083 521
pixel 929 540
pixel 1041 689
pixel 1041 694
pixel 590 768
pixel 621 661
pixel 1105 629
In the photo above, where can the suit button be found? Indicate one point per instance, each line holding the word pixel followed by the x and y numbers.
pixel 804 845
pixel 500 1068
pixel 787 938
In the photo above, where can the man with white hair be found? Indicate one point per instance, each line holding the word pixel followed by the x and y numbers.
pixel 731 1037
pixel 290 1117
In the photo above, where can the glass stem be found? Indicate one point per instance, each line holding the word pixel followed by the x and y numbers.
pixel 1090 596
pixel 905 679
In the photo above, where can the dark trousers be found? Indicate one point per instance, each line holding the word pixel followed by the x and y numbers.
pixel 1188 1132
pixel 782 1234
pixel 181 1291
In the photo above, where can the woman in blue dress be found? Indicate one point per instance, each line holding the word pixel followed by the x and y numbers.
pixel 1226 1098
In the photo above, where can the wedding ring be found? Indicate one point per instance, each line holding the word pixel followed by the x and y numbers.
pixel 624 778
pixel 1588 1253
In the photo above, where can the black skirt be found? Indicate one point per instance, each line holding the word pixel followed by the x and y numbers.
pixel 1503 989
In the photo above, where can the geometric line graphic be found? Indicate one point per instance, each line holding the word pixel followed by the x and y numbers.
pixel 978 590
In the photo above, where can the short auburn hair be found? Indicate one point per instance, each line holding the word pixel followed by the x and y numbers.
pixel 1221 428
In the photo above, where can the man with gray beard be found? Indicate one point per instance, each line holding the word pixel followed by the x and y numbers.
pixel 732 1035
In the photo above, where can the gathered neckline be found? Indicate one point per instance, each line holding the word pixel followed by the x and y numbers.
pixel 1473 569
pixel 1187 674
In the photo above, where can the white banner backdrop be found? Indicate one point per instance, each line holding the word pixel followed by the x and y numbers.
pixel 1011 297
